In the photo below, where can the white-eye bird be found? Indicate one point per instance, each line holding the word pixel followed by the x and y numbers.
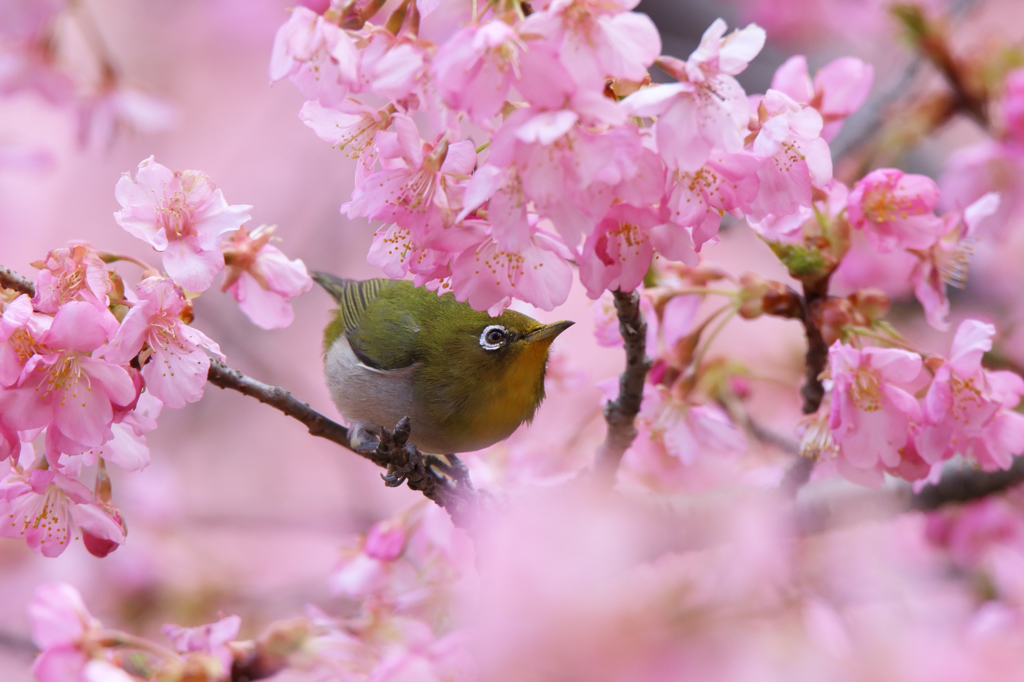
pixel 466 380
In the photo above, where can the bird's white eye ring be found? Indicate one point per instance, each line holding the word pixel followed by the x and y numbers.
pixel 493 337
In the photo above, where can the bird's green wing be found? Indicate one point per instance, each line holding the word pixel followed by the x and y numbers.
pixel 373 318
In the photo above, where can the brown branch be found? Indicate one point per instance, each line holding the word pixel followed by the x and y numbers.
pixel 964 486
pixel 621 412
pixel 447 484
pixel 9 279
pixel 815 361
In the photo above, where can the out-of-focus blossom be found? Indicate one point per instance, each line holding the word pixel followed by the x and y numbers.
pixel 871 410
pixel 262 279
pixel 47 509
pixel 895 210
pixel 798 159
pixel 968 410
pixel 63 387
pixel 680 443
pixel 990 166
pixel 119 109
pixel 211 639
pixel 179 362
pixel 945 262
pixel 62 628
pixel 1012 104
pixel 839 88
pixel 407 563
pixel 26 158
pixel 180 214
pixel 70 273
pixel 27 20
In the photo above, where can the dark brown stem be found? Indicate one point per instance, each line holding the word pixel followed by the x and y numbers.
pixel 964 486
pixel 620 413
pixel 813 392
pixel 9 279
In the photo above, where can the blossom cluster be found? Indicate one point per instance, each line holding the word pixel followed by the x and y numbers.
pixel 88 363
pixel 512 142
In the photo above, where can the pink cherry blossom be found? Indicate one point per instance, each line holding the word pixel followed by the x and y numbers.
pixel 68 273
pixel 597 40
pixel 697 200
pixel 65 388
pixel 394 251
pixel 798 159
pixel 392 67
pixel 895 210
pixel 20 328
pixel 351 127
pixel 618 253
pixel 48 509
pixel 320 57
pixel 262 279
pixel 945 262
pixel 871 411
pixel 176 371
pixel 790 229
pixel 209 639
pixel 419 189
pixel 708 108
pixel 839 88
pixel 475 68
pixel 182 215
pixel 570 174
pixel 536 271
pixel 720 54
pixel 968 410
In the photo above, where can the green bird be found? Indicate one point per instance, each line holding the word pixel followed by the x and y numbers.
pixel 465 380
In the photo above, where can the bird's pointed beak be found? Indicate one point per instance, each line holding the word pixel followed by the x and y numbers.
pixel 549 331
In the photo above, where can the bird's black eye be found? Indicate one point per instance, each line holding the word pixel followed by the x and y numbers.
pixel 493 337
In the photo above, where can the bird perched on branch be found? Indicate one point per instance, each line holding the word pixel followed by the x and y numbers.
pixel 466 380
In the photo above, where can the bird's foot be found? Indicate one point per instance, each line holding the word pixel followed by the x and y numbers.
pixel 364 438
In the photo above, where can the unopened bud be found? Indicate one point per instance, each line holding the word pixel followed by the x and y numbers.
pixel 873 304
pixel 835 314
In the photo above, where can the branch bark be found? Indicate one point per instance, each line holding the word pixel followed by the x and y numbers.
pixel 9 279
pixel 620 414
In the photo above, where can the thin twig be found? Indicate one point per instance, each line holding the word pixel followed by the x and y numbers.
pixel 823 513
pixel 621 412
